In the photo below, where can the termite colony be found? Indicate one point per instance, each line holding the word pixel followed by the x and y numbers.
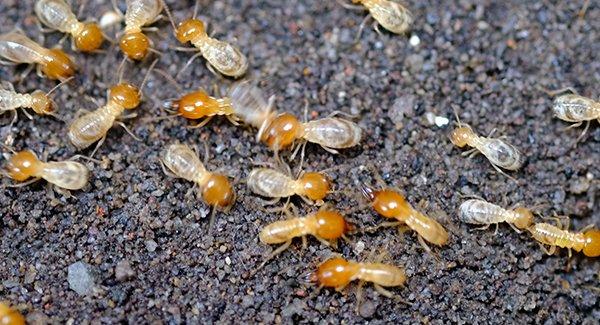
pixel 247 104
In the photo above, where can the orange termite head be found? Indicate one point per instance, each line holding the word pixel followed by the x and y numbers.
pixel 10 316
pixel 460 136
pixel 315 186
pixel 135 45
pixel 592 243
pixel 196 105
pixel 189 30
pixel 335 272
pixel 524 219
pixel 330 224
pixel 89 38
pixel 58 65
pixel 41 103
pixel 125 94
pixel 22 165
pixel 386 202
pixel 218 192
pixel 282 131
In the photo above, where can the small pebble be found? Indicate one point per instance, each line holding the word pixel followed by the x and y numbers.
pixel 80 278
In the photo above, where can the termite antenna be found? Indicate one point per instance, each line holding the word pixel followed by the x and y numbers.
pixel 60 84
pixel 455 110
pixel 196 6
pixel 121 69
pixel 367 192
pixel 147 75
pixel 170 79
pixel 169 15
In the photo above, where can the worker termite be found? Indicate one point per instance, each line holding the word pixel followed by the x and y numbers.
pixel 18 48
pixel 184 163
pixel 327 225
pixel 272 183
pixel 586 241
pixel 57 14
pixel 497 151
pixel 576 109
pixel 93 126
pixel 391 204
pixel 337 273
pixel 38 101
pixel 480 212
pixel 251 106
pixel 139 13
pixel 224 57
pixel 10 316
pixel 390 14
pixel 64 175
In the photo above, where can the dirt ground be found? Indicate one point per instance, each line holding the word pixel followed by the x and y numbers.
pixel 146 241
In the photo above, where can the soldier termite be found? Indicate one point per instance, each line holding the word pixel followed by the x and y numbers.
pixel 93 126
pixel 38 101
pixel 183 162
pixel 64 175
pixel 57 14
pixel 480 212
pixel 224 57
pixel 327 225
pixel 390 14
pixel 18 48
pixel 497 151
pixel 134 43
pixel 586 241
pixel 391 204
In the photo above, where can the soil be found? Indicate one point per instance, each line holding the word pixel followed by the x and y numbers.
pixel 145 237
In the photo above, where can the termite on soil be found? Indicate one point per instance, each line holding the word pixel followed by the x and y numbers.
pixel 480 212
pixel 134 43
pixel 57 15
pixel 272 183
pixel 586 241
pixel 575 109
pixel 183 162
pixel 18 48
pixel 392 15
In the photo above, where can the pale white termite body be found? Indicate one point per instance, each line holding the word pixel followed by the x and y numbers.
pixel 576 108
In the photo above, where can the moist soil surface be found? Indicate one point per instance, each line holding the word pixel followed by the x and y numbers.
pixel 144 237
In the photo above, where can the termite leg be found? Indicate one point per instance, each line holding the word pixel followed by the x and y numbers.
pixel 382 291
pixel 382 225
pixel 376 28
pixel 188 63
pixel 503 173
pixel 424 244
pixel 276 252
pixel 304 242
pixel 359 294
pixel 555 92
pixel 200 124
pixel 470 152
pixel 325 242
pixel 31 181
pixel 515 228
pixel 484 227
pixel 100 142
pixel 64 192
pixel 361 28
pixel 128 130
pixel 587 126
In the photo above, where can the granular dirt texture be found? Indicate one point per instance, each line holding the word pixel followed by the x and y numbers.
pixel 142 239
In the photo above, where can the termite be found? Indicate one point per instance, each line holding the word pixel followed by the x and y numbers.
pixel 337 273
pixel 390 14
pixel 500 153
pixel 183 162
pixel 64 175
pixel 134 43
pixel 330 132
pixel 10 316
pixel 327 225
pixel 586 241
pixel 57 15
pixel 480 212
pixel 272 183
pixel 575 109
pixel 198 105
pixel 224 57
pixel 18 48
pixel 93 126
pixel 251 106
pixel 391 204
pixel 38 101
